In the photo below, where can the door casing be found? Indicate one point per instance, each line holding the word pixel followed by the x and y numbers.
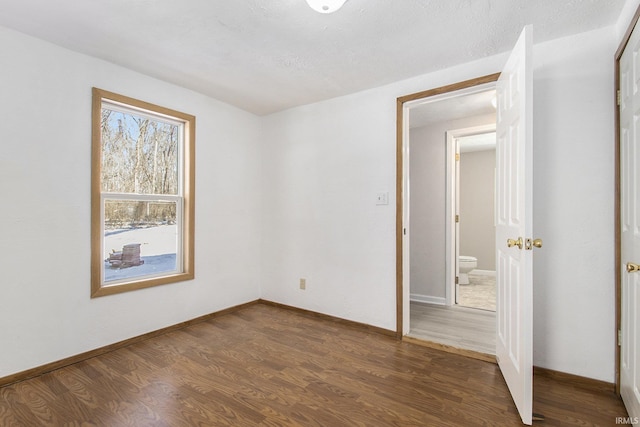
pixel 453 202
pixel 402 291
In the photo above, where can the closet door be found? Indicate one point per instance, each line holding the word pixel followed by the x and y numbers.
pixel 630 224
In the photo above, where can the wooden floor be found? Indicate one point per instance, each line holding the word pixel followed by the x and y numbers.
pixel 460 327
pixel 266 365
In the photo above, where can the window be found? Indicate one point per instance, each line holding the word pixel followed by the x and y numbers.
pixel 142 194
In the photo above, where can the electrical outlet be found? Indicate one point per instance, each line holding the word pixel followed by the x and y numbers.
pixel 303 284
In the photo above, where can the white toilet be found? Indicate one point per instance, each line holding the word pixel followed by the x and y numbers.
pixel 465 265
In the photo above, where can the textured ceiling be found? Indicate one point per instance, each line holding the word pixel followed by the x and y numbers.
pixel 268 55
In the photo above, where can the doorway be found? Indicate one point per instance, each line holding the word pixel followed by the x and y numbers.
pixel 437 126
pixel 514 218
pixel 471 165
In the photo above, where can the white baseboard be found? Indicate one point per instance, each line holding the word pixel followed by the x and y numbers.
pixel 427 299
pixel 483 272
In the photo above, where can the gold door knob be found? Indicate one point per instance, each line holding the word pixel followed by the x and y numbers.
pixel 632 268
pixel 511 243
pixel 530 244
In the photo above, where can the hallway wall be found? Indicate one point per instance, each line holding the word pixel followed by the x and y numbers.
pixel 427 165
pixel 477 201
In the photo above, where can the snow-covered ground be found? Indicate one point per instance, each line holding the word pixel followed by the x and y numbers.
pixel 157 249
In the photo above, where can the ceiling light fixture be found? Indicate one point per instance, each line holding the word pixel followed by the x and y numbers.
pixel 325 6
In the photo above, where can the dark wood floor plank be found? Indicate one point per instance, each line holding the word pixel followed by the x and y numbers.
pixel 269 366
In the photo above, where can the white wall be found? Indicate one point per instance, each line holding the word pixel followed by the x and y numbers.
pixel 574 289
pixel 322 169
pixel 324 163
pixel 46 313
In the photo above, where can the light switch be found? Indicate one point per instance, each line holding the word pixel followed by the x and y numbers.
pixel 382 198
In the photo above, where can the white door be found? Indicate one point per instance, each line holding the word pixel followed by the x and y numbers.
pixel 514 318
pixel 630 225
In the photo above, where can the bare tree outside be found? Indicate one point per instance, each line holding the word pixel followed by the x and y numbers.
pixel 140 155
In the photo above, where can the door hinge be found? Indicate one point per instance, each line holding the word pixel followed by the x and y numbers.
pixel 618 97
pixel 457 218
pixel 619 337
pixel 457 157
pixel 457 279
pixel 404 231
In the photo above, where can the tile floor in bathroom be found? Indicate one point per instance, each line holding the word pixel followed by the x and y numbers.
pixel 479 293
